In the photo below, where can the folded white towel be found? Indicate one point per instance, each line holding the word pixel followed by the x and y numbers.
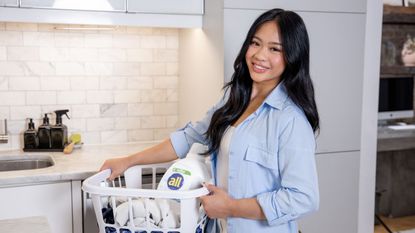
pixel 159 213
pixel 153 210
pixel 121 212
pixel 139 222
pixel 170 213
pixel 139 210
pixel 170 220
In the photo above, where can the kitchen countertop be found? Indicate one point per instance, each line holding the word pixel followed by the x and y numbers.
pixel 30 224
pixel 78 165
pixel 395 140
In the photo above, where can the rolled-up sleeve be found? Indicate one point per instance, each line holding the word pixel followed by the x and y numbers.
pixel 183 138
pixel 298 194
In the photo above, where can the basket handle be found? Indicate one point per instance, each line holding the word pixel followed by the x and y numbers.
pixel 91 184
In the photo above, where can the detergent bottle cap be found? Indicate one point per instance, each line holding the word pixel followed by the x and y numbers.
pixel 196 151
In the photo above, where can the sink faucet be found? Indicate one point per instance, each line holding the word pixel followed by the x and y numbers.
pixel 4 138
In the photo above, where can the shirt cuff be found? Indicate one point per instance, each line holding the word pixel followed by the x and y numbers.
pixel 271 211
pixel 179 142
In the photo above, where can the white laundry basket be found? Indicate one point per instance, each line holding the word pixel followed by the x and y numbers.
pixel 106 194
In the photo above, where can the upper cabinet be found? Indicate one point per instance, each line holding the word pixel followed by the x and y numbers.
pixel 95 5
pixel 301 5
pixel 166 6
pixel 9 3
pixel 155 13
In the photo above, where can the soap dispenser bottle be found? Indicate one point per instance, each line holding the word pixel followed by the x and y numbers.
pixel 30 137
pixel 59 131
pixel 43 133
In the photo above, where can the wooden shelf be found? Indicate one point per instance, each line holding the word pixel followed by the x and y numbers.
pixel 396 224
pixel 398 71
pixel 398 15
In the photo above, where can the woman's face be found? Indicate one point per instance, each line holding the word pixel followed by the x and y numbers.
pixel 264 57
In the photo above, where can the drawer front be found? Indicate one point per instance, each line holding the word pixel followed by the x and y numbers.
pixel 93 5
pixel 166 6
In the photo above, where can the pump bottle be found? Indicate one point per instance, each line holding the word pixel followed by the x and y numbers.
pixel 43 133
pixel 30 136
pixel 59 131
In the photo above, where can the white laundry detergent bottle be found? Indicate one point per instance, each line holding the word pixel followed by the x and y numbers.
pixel 188 173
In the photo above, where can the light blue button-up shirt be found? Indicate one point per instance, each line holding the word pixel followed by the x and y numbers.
pixel 271 158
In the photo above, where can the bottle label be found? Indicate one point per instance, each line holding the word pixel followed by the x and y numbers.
pixel 175 181
pixel 183 171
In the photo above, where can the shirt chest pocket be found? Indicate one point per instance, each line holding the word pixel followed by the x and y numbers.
pixel 262 157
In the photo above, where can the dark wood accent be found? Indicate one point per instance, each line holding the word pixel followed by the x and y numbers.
pixel 397 71
pixel 398 14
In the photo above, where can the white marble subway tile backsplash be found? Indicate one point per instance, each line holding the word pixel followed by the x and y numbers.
pixel 120 86
pixel 2 53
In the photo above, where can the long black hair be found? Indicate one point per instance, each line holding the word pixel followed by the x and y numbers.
pixel 295 77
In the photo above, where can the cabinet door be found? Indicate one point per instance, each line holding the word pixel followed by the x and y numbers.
pixel 9 3
pixel 166 6
pixel 94 5
pixel 90 223
pixel 50 200
pixel 339 195
pixel 77 207
pixel 336 66
pixel 301 5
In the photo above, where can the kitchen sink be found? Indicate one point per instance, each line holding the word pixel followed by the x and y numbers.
pixel 24 162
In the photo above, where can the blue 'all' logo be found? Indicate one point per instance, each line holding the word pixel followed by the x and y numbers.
pixel 175 181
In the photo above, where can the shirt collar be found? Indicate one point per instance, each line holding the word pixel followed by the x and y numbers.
pixel 277 97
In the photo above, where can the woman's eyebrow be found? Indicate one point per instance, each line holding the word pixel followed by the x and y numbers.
pixel 272 42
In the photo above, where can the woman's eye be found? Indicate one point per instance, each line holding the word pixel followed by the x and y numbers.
pixel 274 49
pixel 254 43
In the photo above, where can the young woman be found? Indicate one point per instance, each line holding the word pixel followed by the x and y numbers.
pixel 261 134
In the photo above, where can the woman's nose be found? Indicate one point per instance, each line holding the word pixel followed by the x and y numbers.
pixel 260 54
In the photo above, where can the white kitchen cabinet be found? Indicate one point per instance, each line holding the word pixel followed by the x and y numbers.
pixel 52 200
pixel 358 6
pixel 136 6
pixel 90 223
pixel 14 3
pixel 157 13
pixel 166 6
pixel 77 214
pixel 94 5
pixel 339 195
pixel 336 66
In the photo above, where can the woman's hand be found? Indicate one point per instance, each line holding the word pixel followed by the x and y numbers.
pixel 117 166
pixel 218 204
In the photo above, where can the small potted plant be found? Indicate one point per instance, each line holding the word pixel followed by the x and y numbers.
pixel 408 52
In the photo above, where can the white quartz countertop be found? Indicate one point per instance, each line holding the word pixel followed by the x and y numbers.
pixel 30 224
pixel 78 165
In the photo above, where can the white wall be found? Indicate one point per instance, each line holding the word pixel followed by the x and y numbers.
pixel 367 174
pixel 120 85
pixel 201 65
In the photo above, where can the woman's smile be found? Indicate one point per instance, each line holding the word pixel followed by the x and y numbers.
pixel 259 68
